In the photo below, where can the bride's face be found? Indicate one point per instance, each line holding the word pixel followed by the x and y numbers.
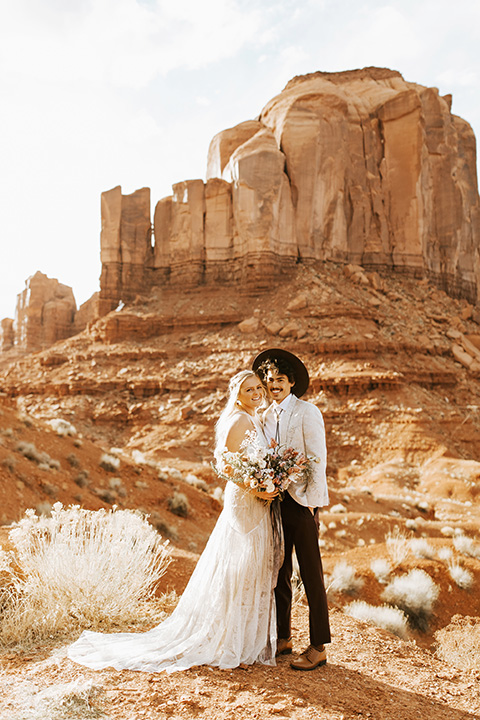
pixel 250 395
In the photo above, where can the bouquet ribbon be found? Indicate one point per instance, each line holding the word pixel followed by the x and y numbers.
pixel 278 547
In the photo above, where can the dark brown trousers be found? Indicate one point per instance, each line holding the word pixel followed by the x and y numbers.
pixel 300 531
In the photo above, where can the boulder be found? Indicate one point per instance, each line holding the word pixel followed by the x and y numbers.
pixel 250 325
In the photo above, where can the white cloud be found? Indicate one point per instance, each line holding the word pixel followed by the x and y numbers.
pixel 121 42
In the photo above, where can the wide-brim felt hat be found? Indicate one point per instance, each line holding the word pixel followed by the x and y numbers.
pixel 302 379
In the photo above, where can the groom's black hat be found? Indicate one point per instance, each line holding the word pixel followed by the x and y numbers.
pixel 299 370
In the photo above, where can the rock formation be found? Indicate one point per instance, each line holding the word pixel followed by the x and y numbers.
pixel 356 167
pixel 45 313
pixel 125 247
pixel 7 334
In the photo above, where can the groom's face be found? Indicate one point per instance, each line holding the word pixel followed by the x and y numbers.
pixel 278 385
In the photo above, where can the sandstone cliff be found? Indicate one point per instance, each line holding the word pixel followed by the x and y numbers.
pixel 358 166
pixel 46 312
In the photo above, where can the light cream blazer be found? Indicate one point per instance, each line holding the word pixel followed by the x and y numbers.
pixel 303 429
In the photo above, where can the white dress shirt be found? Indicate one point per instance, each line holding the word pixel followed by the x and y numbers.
pixel 270 419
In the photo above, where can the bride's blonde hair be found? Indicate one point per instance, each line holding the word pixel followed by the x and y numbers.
pixel 223 425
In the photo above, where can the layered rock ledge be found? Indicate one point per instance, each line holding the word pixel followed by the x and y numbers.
pixel 357 167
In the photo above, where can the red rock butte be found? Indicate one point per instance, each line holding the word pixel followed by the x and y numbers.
pixel 356 167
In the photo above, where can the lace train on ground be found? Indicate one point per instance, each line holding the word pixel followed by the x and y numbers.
pixel 226 615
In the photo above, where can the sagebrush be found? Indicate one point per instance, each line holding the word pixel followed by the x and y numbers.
pixel 78 569
pixel 388 618
pixel 415 593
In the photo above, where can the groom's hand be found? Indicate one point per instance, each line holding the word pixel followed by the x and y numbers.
pixel 265 495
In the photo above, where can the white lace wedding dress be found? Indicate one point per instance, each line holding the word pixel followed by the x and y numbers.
pixel 226 615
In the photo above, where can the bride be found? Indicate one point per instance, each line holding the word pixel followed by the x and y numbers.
pixel 226 615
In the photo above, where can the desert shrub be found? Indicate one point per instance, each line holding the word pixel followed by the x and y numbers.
pixel 415 593
pixel 107 495
pixel 80 569
pixel 166 530
pixel 388 618
pixel 398 546
pixel 338 508
pixel 381 568
pixel 9 463
pixel 82 478
pixel 218 494
pixel 344 579
pixel 62 427
pixel 421 548
pixel 197 482
pixel 444 553
pixel 170 472
pixel 178 504
pixel 117 485
pixel 460 576
pixel 458 643
pixel 73 460
pixel 467 546
pixel 109 462
pixel 29 451
pixel 25 419
pixel 447 531
pixel 43 459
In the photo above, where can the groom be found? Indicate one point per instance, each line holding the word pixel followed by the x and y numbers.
pixel 298 424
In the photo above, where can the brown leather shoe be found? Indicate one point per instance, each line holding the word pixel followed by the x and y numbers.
pixel 310 659
pixel 284 646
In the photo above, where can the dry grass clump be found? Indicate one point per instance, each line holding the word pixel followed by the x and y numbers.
pixel 178 504
pixel 73 460
pixel 460 576
pixel 197 482
pixel 421 548
pixel 166 530
pixel 388 618
pixel 111 463
pixel 9 463
pixel 81 479
pixel 458 643
pixel 62 427
pixel 43 459
pixel 415 593
pixel 79 569
pixel 444 553
pixel 467 546
pixel 398 546
pixel 382 569
pixel 344 579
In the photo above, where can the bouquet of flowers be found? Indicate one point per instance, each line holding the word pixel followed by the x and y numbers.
pixel 266 469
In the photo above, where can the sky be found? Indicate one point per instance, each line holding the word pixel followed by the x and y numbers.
pixel 99 93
